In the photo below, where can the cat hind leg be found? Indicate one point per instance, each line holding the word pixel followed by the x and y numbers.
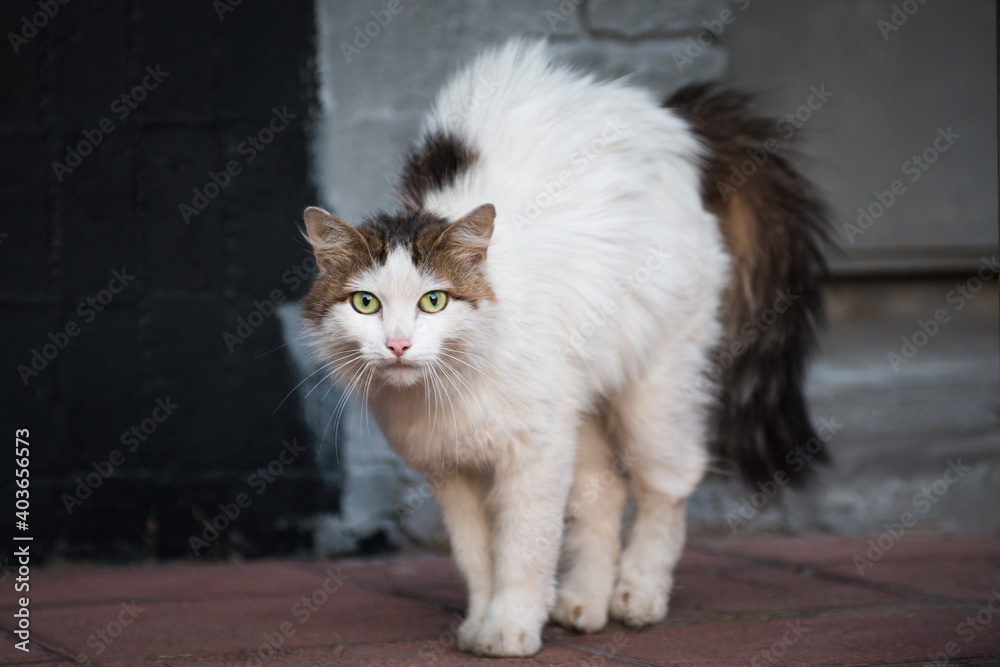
pixel 592 539
pixel 661 429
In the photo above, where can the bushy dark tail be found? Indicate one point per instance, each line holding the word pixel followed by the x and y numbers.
pixel 774 223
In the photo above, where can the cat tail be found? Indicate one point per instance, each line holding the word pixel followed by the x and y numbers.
pixel 774 223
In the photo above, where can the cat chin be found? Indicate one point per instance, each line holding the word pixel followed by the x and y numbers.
pixel 401 376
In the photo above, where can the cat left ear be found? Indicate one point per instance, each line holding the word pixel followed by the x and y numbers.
pixel 326 231
pixel 471 233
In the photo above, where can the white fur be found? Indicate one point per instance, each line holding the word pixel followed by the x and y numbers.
pixel 608 275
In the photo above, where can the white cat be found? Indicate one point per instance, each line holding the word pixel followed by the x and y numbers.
pixel 582 285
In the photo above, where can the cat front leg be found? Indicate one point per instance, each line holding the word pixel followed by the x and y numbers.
pixel 461 496
pixel 592 541
pixel 527 500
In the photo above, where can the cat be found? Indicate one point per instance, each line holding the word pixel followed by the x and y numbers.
pixel 583 288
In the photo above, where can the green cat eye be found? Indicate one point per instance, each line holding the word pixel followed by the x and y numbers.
pixel 365 303
pixel 434 301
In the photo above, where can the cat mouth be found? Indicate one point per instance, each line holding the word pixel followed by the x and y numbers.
pixel 401 373
pixel 401 365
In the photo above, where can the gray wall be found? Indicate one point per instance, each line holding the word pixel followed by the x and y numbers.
pixel 373 99
pixel 892 90
pixel 373 96
pixel 889 98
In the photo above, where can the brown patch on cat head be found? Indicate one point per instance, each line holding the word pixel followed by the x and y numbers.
pixel 459 252
pixel 454 252
pixel 341 253
pixel 435 164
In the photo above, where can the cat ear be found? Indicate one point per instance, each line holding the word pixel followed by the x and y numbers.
pixel 470 235
pixel 326 231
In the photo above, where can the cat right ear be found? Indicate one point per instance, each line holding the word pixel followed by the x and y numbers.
pixel 329 234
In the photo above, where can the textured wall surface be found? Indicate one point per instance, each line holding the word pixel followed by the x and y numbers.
pixel 117 303
pixel 375 88
pixel 112 115
pixel 373 97
pixel 895 75
pixel 893 430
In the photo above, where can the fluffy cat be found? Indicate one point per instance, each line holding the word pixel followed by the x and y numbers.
pixel 579 291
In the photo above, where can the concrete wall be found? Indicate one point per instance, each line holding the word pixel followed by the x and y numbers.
pixel 889 98
pixel 897 73
pixel 375 89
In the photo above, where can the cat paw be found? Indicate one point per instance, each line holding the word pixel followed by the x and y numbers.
pixel 637 605
pixel 580 612
pixel 467 633
pixel 504 638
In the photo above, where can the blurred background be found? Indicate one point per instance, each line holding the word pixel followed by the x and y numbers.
pixel 157 157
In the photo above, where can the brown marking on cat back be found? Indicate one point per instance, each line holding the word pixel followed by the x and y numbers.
pixel 435 164
pixel 773 224
pixel 452 252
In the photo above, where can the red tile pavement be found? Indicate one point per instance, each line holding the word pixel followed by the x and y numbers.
pixel 961 568
pixel 12 656
pixel 765 601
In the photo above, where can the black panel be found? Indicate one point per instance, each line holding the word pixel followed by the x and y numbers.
pixel 115 116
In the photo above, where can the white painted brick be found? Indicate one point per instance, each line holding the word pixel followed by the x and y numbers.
pixel 638 18
pixel 663 66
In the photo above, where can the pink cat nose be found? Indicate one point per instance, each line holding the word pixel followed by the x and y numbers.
pixel 398 345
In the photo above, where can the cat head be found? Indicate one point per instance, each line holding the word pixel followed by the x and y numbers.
pixel 400 295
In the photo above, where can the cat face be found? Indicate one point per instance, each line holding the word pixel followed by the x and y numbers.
pixel 399 297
